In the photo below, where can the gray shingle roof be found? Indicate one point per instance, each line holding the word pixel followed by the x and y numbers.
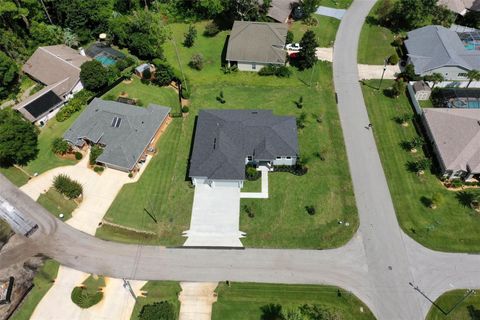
pixel 460 6
pixel 125 143
pixel 224 138
pixel 432 47
pixel 280 9
pixel 260 42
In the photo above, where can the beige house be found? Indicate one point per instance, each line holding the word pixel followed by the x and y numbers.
pixel 253 45
pixel 58 69
pixel 455 136
pixel 460 6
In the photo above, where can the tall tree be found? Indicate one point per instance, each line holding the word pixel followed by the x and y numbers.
pixel 411 14
pixel 93 75
pixel 473 75
pixel 435 78
pixel 309 7
pixel 443 16
pixel 8 74
pixel 18 139
pixel 307 54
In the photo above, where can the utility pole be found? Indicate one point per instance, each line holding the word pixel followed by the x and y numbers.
pixel 383 73
pixel 126 285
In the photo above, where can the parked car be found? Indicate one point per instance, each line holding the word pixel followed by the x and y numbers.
pixel 293 55
pixel 293 47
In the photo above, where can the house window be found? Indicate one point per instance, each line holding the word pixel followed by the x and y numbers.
pixel 288 158
pixel 462 74
pixel 278 158
pixel 254 66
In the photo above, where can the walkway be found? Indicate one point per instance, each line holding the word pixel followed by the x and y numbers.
pixel 331 12
pixel 196 300
pixel 263 194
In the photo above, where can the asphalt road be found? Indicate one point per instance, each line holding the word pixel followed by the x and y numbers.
pixel 381 265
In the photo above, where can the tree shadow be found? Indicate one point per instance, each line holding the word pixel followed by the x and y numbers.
pixel 271 312
pixel 473 313
pixel 465 198
pixel 406 145
pixel 426 201
pixel 223 57
pixel 411 166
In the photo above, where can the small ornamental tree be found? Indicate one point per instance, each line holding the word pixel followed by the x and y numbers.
pixel 211 29
pixel 95 152
pixel 93 75
pixel 158 311
pixel 190 36
pixel 398 88
pixel 67 186
pixel 307 54
pixel 197 61
pixel 60 146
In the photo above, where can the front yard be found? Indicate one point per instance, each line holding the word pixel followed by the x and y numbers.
pixel 468 309
pixel 157 291
pixel 451 226
pixel 57 204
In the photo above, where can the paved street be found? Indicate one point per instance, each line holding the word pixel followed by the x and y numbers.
pixel 377 265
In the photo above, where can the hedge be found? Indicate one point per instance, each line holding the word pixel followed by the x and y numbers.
pixel 67 186
pixel 297 170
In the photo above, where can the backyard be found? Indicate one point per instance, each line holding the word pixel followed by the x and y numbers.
pixel 243 301
pixel 457 305
pixel 157 291
pixel 452 226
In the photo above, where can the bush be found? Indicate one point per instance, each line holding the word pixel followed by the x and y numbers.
pixel 60 146
pixel 289 37
pixel 95 152
pixel 283 72
pixel 130 175
pixel 279 71
pixel 220 98
pixel 185 94
pixel 98 169
pixel 397 42
pixel 67 186
pixel 251 174
pixel 190 36
pixel 163 310
pixel 74 105
pixel 85 299
pixel 196 62
pixel 164 73
pixel 78 155
pixel 310 210
pixel 398 88
pixel 248 210
pixel 231 69
pixel 211 29
pixel 93 75
pixel 297 169
pixel 147 74
pixel 185 109
pixel 393 59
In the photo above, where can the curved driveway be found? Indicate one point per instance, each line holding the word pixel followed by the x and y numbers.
pixel 377 265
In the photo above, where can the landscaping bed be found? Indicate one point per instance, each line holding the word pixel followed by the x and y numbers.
pixel 157 291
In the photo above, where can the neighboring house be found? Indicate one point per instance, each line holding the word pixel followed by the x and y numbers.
pixel 435 49
pixel 422 90
pixel 460 6
pixel 455 136
pixel 141 68
pixel 227 140
pixel 253 45
pixel 280 10
pixel 124 131
pixel 58 69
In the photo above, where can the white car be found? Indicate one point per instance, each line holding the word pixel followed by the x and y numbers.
pixel 293 47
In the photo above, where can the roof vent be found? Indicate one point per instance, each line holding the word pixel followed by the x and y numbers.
pixel 214 143
pixel 116 122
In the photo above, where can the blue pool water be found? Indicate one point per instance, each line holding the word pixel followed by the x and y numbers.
pixel 471 104
pixel 105 60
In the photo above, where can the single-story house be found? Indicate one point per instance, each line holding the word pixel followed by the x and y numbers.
pixel 58 69
pixel 253 45
pixel 422 90
pixel 124 131
pixel 436 49
pixel 280 10
pixel 460 6
pixel 227 140
pixel 455 136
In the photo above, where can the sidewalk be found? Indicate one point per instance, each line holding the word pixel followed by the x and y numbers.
pixel 259 195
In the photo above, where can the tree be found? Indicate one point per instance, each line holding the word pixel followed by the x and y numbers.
pixel 93 75
pixel 473 75
pixel 435 78
pixel 271 312
pixel 211 8
pixel 196 62
pixel 18 139
pixel 69 38
pixel 158 311
pixel 307 54
pixel 383 12
pixel 398 88
pixel 190 36
pixel 211 29
pixel 60 146
pixel 95 152
pixel 294 314
pixel 45 34
pixel 471 19
pixel 164 73
pixel 289 38
pixel 410 14
pixel 8 74
pixel 443 16
pixel 308 7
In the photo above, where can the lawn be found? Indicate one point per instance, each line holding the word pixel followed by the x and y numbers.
pixel 56 204
pixel 157 291
pixel 340 4
pixel 468 309
pixel 15 175
pixel 326 30
pixel 242 301
pixel 42 282
pixel 5 231
pixel 450 227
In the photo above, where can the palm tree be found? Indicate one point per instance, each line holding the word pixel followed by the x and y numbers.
pixel 436 78
pixel 69 38
pixel 473 75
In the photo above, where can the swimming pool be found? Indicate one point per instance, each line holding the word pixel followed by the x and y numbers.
pixel 105 60
pixel 465 104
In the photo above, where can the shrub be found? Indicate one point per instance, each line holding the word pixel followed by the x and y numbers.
pixel 279 71
pixel 456 183
pixel 397 42
pixel 93 75
pixel 95 152
pixel 297 169
pixel 67 186
pixel 78 155
pixel 248 210
pixel 185 109
pixel 163 310
pixel 190 36
pixel 196 62
pixel 231 69
pixel 164 73
pixel 84 298
pixel 123 64
pixel 130 175
pixel 185 94
pixel 251 174
pixel 299 103
pixel 311 210
pixel 393 59
pixel 98 169
pixel 139 102
pixel 147 74
pixel 60 146
pixel 283 72
pixel 267 70
pixel 211 29
pixel 398 88
pixel 74 105
pixel 289 37
pixel 220 98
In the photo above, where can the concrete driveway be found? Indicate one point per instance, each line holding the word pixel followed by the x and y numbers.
pixel 215 218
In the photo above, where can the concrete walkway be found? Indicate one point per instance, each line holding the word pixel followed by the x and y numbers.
pixel 331 12
pixel 263 194
pixel 196 300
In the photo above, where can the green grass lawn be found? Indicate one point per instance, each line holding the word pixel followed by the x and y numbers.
pixel 158 291
pixel 468 309
pixel 326 30
pixel 56 204
pixel 450 227
pixel 15 175
pixel 42 282
pixel 340 4
pixel 242 301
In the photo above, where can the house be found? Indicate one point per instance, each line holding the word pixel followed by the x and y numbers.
pixel 435 49
pixel 227 140
pixel 124 131
pixel 58 69
pixel 460 7
pixel 455 136
pixel 422 90
pixel 253 45
pixel 280 10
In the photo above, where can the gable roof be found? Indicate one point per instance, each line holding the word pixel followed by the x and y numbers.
pixel 125 130
pixel 456 133
pixel 260 42
pixel 280 9
pixel 432 47
pixel 224 138
pixel 460 6
pixel 53 64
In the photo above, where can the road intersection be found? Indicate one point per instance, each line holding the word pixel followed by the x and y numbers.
pixel 381 264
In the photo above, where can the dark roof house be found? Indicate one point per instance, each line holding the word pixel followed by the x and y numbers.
pixel 124 130
pixel 258 42
pixel 225 138
pixel 280 10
